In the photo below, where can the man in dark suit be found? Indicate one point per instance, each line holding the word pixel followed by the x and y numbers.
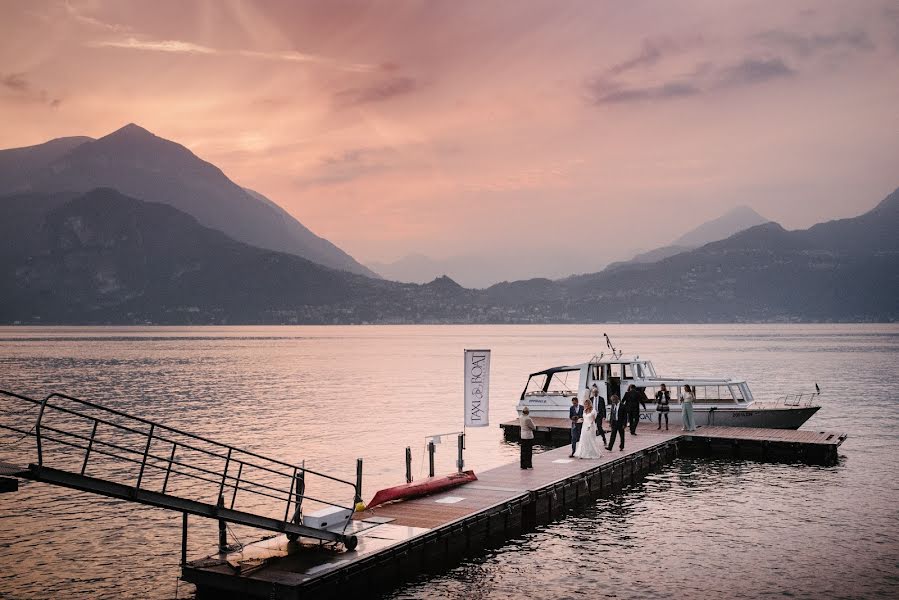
pixel 599 406
pixel 617 419
pixel 633 398
pixel 576 414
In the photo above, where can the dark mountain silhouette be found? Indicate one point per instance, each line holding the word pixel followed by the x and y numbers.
pixel 142 165
pixel 105 258
pixel 841 270
pixel 733 221
pixel 18 165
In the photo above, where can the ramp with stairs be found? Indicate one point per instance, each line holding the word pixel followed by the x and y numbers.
pixel 81 445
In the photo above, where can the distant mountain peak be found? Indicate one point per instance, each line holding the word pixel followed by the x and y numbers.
pixel 891 202
pixel 733 221
pixel 131 129
pixel 444 282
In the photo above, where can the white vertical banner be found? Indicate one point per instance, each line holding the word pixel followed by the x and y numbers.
pixel 477 388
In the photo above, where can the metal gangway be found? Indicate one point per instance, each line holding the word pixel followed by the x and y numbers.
pixel 85 446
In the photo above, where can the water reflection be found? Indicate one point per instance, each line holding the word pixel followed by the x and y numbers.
pixel 330 394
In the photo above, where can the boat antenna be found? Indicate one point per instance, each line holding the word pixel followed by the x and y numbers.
pixel 615 353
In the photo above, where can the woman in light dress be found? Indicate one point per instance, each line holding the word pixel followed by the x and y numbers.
pixel 587 446
pixel 686 400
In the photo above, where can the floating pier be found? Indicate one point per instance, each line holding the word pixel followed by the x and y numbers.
pixel 379 547
pixel 404 539
pixel 747 442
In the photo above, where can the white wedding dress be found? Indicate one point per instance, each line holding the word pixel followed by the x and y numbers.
pixel 587 446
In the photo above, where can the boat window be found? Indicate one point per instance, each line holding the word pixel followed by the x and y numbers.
pixel 628 371
pixel 639 369
pixel 615 370
pixel 563 382
pixel 597 374
pixel 737 393
pixel 650 392
pixel 713 393
pixel 536 383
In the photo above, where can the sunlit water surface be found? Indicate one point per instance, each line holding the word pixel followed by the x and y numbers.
pixel 698 527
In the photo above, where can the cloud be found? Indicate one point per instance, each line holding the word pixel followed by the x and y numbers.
pixel 808 45
pixel 378 91
pixel 348 165
pixel 666 91
pixel 92 21
pixel 651 53
pixel 182 47
pixel 751 71
pixel 15 82
pixel 133 43
pixel 705 78
pixel 22 90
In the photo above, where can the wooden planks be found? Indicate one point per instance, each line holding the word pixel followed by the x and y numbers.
pixel 505 484
pixel 800 436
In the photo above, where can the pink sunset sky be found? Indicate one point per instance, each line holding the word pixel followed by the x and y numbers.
pixel 565 131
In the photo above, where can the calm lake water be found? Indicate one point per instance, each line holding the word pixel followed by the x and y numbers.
pixel 696 528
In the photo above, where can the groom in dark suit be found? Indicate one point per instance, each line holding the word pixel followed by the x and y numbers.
pixel 617 419
pixel 576 414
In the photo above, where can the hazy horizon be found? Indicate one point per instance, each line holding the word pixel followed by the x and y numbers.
pixel 574 132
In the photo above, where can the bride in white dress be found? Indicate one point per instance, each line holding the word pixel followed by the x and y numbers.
pixel 587 446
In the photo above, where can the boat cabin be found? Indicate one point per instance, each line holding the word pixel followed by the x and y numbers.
pixel 614 377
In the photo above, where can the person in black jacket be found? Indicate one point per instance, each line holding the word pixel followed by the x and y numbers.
pixel 576 415
pixel 633 398
pixel 617 419
pixel 663 399
pixel 599 405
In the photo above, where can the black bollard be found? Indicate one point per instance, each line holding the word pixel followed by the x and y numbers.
pixel 408 464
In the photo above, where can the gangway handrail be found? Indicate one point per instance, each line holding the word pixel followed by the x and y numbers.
pixel 192 435
pixel 223 479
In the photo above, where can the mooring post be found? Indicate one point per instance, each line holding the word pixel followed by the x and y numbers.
pixel 431 459
pixel 408 464
pixel 183 539
pixel 461 463
pixel 358 481
pixel 223 532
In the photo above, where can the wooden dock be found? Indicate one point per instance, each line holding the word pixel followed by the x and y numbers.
pixel 766 444
pixel 404 539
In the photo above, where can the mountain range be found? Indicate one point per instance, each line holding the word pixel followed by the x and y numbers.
pixel 103 257
pixel 131 229
pixel 142 165
pixel 480 272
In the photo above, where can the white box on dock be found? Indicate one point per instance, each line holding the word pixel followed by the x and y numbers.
pixel 327 517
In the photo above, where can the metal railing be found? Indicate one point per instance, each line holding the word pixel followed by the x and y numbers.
pixel 80 437
pixel 802 400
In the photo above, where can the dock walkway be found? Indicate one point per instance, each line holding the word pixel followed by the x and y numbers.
pixel 423 534
pixel 419 534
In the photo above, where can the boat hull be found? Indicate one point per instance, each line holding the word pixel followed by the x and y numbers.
pixel 788 417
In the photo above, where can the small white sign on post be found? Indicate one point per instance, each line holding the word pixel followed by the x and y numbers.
pixel 477 388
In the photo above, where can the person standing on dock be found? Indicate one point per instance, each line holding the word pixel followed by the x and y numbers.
pixel 586 447
pixel 576 414
pixel 633 398
pixel 599 406
pixel 686 400
pixel 617 419
pixel 663 399
pixel 527 438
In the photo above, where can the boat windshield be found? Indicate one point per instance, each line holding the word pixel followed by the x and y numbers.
pixel 553 382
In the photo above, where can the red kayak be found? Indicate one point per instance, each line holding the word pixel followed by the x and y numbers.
pixel 422 488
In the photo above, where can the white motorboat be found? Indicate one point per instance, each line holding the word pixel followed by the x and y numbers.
pixel 722 402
